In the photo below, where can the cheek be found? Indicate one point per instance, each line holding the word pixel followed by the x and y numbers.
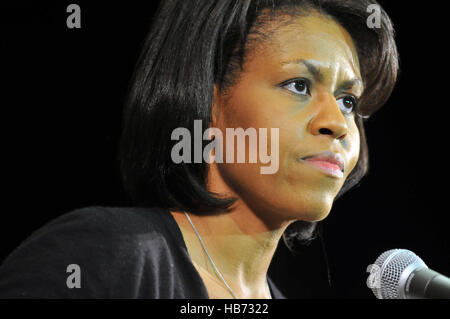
pixel 352 146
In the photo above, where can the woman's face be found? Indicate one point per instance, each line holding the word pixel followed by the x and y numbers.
pixel 305 82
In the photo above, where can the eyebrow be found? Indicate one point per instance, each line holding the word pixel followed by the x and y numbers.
pixel 319 77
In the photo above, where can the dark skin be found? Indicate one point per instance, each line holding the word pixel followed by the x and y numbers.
pixel 301 82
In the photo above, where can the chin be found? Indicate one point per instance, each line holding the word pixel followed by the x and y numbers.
pixel 315 216
pixel 313 211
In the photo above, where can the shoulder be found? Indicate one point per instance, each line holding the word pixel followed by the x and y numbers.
pixel 106 243
pixel 99 227
pixel 104 224
pixel 112 220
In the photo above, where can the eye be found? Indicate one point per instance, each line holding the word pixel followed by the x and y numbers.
pixel 298 86
pixel 347 104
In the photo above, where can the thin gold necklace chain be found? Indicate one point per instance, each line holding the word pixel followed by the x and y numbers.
pixel 212 262
pixel 209 257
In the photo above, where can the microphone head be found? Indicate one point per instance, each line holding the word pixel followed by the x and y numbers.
pixel 392 269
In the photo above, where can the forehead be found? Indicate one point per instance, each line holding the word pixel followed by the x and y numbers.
pixel 313 37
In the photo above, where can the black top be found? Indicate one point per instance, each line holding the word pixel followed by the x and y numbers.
pixel 121 253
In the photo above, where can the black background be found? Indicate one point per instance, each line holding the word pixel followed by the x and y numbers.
pixel 62 96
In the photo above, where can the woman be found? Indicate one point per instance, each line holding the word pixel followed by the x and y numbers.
pixel 307 71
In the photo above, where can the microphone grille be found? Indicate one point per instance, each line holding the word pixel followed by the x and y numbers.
pixel 392 265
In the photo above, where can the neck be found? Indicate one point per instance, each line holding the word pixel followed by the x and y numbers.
pixel 240 243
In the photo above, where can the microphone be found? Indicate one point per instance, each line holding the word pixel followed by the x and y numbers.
pixel 401 274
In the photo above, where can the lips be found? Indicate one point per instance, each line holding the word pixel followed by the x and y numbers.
pixel 332 163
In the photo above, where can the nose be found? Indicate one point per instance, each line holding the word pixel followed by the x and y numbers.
pixel 329 120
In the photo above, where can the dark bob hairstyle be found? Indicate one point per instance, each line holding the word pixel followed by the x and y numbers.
pixel 195 44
